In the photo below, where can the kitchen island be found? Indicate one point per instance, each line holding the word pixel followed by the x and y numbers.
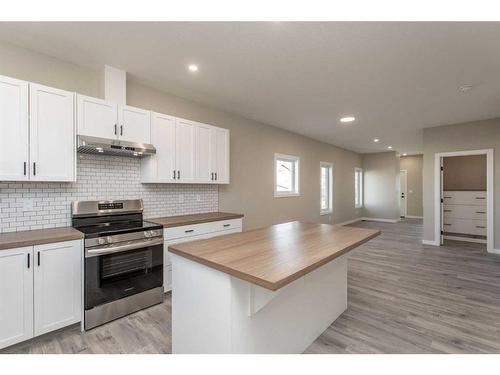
pixel 269 290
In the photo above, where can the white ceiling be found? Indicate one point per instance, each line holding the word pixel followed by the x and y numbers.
pixel 396 78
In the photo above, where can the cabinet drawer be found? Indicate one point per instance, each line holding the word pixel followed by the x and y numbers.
pixel 199 229
pixel 457 211
pixel 474 198
pixel 465 226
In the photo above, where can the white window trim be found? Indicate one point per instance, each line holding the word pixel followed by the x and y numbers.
pixel 360 205
pixel 281 194
pixel 330 190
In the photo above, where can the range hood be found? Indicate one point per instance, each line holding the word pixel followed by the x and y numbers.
pixel 105 146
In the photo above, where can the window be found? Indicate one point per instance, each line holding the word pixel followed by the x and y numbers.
pixel 326 186
pixel 286 175
pixel 358 187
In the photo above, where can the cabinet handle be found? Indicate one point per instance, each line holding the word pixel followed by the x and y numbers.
pixel 115 128
pixel 447 197
pixel 446 210
pixel 121 129
pixel 226 225
pixel 29 256
pixel 215 176
pixel 212 176
pixel 480 226
pixel 174 174
pixel 446 224
pixel 480 198
pixel 480 212
pixel 25 168
pixel 178 175
pixel 34 168
pixel 38 259
pixel 189 231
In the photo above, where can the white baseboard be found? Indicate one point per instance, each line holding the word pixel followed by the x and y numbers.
pixel 381 220
pixel 414 217
pixel 431 243
pixel 465 239
pixel 350 221
pixel 494 251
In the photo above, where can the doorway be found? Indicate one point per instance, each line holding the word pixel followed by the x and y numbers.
pixel 459 207
pixel 403 191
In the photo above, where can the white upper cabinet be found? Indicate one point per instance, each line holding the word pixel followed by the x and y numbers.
pixel 161 166
pixel 221 152
pixel 96 117
pixel 205 153
pixel 13 130
pixel 185 150
pixel 134 124
pixel 52 130
pixel 58 285
pixel 16 295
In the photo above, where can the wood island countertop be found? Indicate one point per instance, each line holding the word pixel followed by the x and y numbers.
pixel 12 240
pixel 274 256
pixel 177 221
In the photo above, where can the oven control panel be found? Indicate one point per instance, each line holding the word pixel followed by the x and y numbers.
pixel 110 206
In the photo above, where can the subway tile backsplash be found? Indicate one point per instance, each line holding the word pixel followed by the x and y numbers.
pixel 37 205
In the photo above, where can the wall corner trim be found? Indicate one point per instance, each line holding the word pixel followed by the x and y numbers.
pixel 494 251
pixel 350 221
pixel 380 219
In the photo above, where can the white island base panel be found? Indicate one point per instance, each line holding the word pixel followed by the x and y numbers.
pixel 214 312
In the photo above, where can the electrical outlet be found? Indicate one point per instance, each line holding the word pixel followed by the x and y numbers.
pixel 181 198
pixel 27 205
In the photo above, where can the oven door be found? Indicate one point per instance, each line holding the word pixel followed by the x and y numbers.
pixel 112 275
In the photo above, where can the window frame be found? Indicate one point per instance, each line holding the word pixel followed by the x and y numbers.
pixel 296 178
pixel 360 187
pixel 325 164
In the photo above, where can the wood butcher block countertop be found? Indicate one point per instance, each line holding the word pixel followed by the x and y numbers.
pixel 177 221
pixel 38 237
pixel 274 256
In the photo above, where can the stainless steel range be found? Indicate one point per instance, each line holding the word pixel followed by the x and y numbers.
pixel 123 259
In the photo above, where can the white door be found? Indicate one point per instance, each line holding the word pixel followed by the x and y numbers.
pixel 52 134
pixel 185 150
pixel 13 130
pixel 161 166
pixel 205 153
pixel 58 285
pixel 221 155
pixel 96 117
pixel 134 124
pixel 403 191
pixel 16 295
pixel 441 200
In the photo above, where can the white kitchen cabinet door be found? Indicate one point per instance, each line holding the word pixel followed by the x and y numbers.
pixel 13 130
pixel 161 166
pixel 58 285
pixel 16 295
pixel 205 161
pixel 221 150
pixel 134 124
pixel 52 134
pixel 96 117
pixel 185 150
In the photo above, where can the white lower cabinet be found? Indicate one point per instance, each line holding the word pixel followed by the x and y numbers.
pixel 40 290
pixel 16 295
pixel 194 232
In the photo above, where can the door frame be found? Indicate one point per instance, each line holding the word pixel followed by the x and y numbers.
pixel 490 233
pixel 401 191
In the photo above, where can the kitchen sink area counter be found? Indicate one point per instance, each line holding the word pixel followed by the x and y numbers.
pixel 268 290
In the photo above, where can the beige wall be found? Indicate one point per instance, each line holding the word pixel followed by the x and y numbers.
pixel 381 185
pixel 459 137
pixel 464 172
pixel 413 164
pixel 252 145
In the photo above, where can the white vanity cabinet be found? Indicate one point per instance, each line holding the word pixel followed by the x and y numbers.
pixel 40 289
pixel 186 233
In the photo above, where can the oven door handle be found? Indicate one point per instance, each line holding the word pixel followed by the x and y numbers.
pixel 129 246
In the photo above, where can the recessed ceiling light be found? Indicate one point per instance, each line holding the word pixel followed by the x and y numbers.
pixel 465 88
pixel 193 67
pixel 348 119
pixel 376 140
pixel 389 147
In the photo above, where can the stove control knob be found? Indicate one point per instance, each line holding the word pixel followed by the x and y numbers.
pixel 147 234
pixel 109 239
pixel 102 241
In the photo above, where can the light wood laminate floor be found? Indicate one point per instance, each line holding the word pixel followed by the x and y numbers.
pixel 403 298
